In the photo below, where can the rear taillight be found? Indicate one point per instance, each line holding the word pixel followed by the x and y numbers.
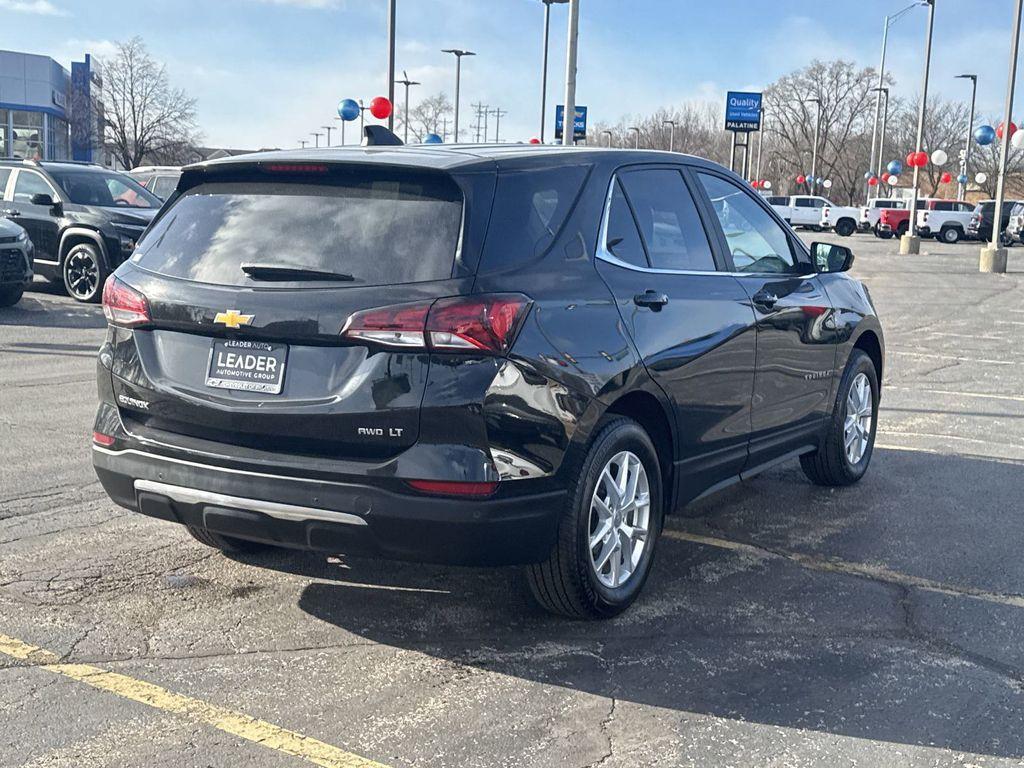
pixel 486 323
pixel 101 439
pixel 123 305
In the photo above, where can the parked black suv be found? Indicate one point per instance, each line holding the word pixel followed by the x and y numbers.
pixel 15 262
pixel 475 355
pixel 980 226
pixel 83 219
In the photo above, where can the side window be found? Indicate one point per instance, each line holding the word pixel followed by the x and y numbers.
pixel 804 202
pixel 668 220
pixel 965 207
pixel 162 187
pixel 756 241
pixel 30 183
pixel 623 239
pixel 5 174
pixel 942 205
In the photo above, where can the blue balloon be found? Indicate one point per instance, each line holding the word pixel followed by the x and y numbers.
pixel 348 109
pixel 895 167
pixel 433 138
pixel 984 134
pixel 962 178
pixel 868 175
pixel 810 179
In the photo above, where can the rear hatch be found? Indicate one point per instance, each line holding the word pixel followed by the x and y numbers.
pixel 251 274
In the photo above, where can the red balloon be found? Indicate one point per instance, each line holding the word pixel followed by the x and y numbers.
pixel 873 181
pixel 922 159
pixel 885 176
pixel 801 179
pixel 912 159
pixel 380 107
pixel 999 129
pixel 946 177
pixel 535 140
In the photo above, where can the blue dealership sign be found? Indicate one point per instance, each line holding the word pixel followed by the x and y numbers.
pixel 579 128
pixel 742 111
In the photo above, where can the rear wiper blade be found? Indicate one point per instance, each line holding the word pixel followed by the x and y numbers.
pixel 287 272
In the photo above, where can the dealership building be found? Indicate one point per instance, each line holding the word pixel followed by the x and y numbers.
pixel 48 113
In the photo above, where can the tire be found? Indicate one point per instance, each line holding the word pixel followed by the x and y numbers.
pixel 10 295
pixel 832 464
pixel 224 543
pixel 902 229
pixel 883 234
pixel 845 227
pixel 950 235
pixel 569 582
pixel 84 273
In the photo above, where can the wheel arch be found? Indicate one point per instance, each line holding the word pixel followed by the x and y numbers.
pixel 655 418
pixel 870 343
pixel 73 236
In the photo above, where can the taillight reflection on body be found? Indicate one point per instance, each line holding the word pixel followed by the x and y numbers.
pixel 123 305
pixel 453 488
pixel 487 323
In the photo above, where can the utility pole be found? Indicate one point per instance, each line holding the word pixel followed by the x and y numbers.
pixel 498 112
pixel 993 258
pixel 881 138
pixel 328 128
pixel 965 165
pixel 406 82
pixel 910 242
pixel 671 134
pixel 458 53
pixel 391 66
pixel 316 137
pixel 569 115
pixel 479 107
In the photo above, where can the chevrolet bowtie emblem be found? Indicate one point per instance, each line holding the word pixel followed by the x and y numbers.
pixel 233 318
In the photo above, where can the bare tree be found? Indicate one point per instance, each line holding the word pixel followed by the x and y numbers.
pixel 147 120
pixel 426 117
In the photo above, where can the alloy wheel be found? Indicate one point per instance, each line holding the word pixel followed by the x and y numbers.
pixel 83 274
pixel 859 414
pixel 620 512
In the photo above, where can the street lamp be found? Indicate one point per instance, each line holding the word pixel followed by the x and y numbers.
pixel 884 90
pixel 316 136
pixel 889 21
pixel 636 143
pixel 760 138
pixel 817 134
pixel 391 65
pixel 328 128
pixel 993 258
pixel 910 242
pixel 569 115
pixel 303 143
pixel 671 134
pixel 406 82
pixel 544 64
pixel 606 131
pixel 962 188
pixel 458 53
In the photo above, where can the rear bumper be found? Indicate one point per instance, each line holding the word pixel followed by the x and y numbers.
pixel 329 516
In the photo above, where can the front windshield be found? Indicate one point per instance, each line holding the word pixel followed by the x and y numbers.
pixel 103 188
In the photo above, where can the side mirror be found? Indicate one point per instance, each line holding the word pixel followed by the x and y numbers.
pixel 828 257
pixel 42 199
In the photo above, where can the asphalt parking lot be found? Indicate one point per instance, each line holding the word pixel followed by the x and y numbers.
pixel 783 625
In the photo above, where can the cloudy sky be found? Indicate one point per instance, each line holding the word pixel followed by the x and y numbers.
pixel 267 72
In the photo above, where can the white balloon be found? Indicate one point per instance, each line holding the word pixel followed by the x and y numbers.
pixel 1017 140
pixel 981 178
pixel 827 183
pixel 894 180
pixel 939 157
pixel 768 184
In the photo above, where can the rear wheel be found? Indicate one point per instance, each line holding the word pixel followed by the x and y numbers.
pixel 84 273
pixel 901 230
pixel 845 227
pixel 608 528
pixel 845 452
pixel 10 295
pixel 950 235
pixel 224 543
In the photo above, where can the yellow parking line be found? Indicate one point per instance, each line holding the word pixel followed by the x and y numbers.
pixel 236 723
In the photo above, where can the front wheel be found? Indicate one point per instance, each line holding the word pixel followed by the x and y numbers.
pixel 10 295
pixel 608 528
pixel 84 273
pixel 846 450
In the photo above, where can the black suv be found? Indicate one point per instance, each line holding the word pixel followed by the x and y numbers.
pixel 83 219
pixel 475 355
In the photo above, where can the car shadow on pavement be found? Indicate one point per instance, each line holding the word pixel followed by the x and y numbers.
pixel 31 311
pixel 751 634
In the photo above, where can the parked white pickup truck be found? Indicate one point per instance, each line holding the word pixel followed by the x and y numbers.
pixel 800 210
pixel 945 220
pixel 869 213
pixel 841 218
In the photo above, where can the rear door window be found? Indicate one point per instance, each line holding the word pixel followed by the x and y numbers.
pixel 623 239
pixel 381 227
pixel 669 223
pixel 31 183
pixel 162 186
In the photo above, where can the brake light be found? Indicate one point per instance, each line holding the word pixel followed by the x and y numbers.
pixel 101 439
pixel 485 323
pixel 123 305
pixel 452 488
pixel 295 168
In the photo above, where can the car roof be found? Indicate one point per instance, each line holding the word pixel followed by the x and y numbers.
pixel 451 156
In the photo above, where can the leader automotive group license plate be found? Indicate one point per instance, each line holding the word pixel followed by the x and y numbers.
pixel 252 366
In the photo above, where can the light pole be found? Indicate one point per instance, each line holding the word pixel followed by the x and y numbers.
pixel 544 64
pixel 458 53
pixel 406 82
pixel 993 258
pixel 342 130
pixel 606 131
pixel 390 67
pixel 316 137
pixel 910 242
pixel 962 188
pixel 303 143
pixel 328 128
pixel 636 143
pixel 569 115
pixel 889 21
pixel 817 134
pixel 760 138
pixel 884 90
pixel 671 134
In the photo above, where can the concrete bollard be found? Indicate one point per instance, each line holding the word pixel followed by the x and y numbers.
pixel 992 260
pixel 910 244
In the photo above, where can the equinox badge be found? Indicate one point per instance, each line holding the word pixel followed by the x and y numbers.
pixel 233 318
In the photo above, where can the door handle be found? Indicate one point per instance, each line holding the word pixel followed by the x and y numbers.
pixel 10 213
pixel 765 299
pixel 651 300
